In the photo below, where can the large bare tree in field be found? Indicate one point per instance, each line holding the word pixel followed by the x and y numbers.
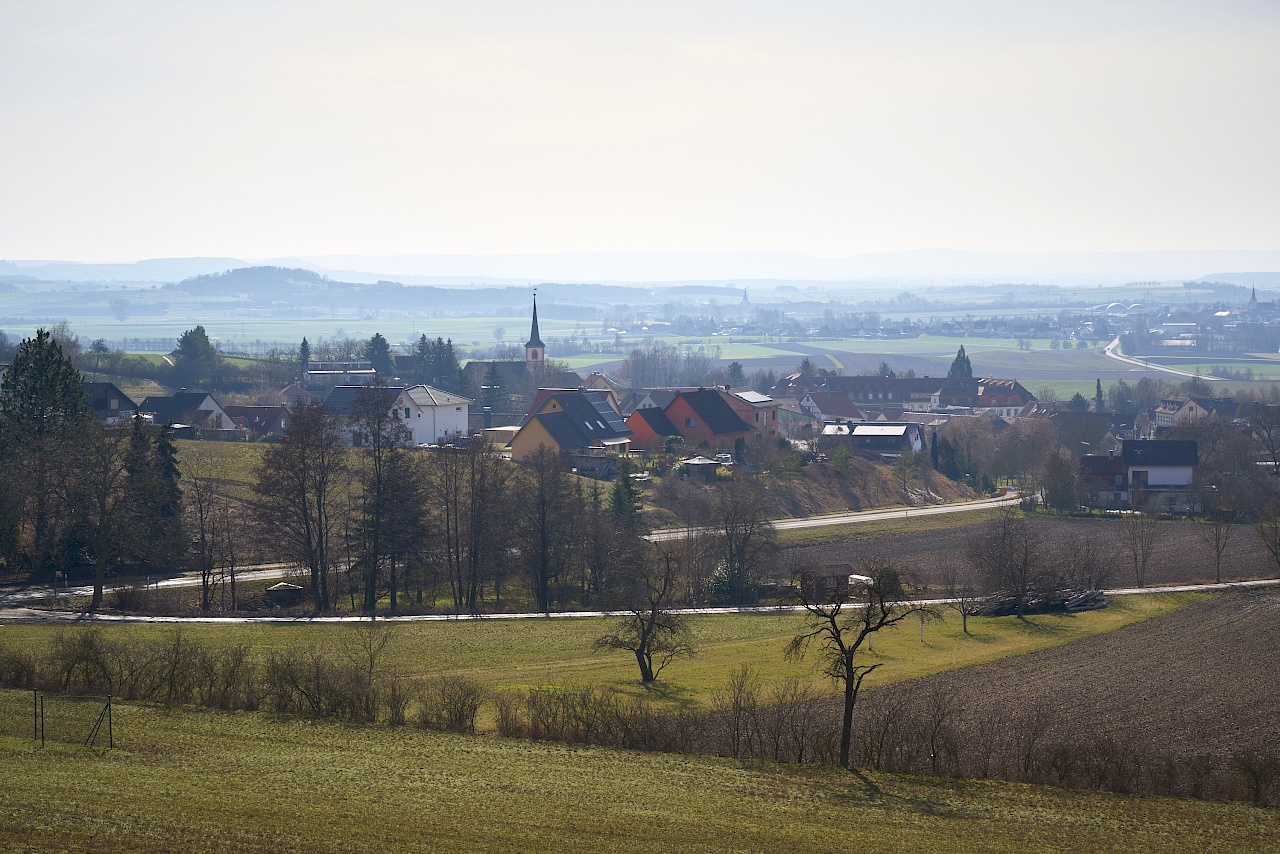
pixel 649 629
pixel 841 625
pixel 301 489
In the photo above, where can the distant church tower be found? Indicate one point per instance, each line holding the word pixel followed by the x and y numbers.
pixel 535 352
pixel 1253 300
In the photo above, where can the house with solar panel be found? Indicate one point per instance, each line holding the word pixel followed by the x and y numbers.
pixel 888 439
pixel 572 423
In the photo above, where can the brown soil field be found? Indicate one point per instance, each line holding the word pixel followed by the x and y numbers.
pixel 1181 555
pixel 1192 689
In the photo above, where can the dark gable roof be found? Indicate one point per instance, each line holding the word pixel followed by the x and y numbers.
pixel 175 408
pixel 100 395
pixel 592 415
pixel 585 419
pixel 562 429
pixel 657 420
pixel 1159 452
pixel 715 413
pixel 342 398
pixel 1095 465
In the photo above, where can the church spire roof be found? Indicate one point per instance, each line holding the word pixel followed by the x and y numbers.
pixel 535 340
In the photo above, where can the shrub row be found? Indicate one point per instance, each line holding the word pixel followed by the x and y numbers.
pixel 349 684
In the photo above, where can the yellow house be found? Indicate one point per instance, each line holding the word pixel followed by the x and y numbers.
pixel 572 421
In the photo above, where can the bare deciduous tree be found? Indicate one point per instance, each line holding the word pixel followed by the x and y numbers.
pixel 964 590
pixel 300 487
pixel 1138 530
pixel 1010 556
pixel 649 629
pixel 746 538
pixel 843 624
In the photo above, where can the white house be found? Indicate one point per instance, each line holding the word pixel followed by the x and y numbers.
pixel 428 414
pixel 1159 464
pixel 431 415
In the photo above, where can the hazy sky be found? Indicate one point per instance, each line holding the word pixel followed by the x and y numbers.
pixel 143 129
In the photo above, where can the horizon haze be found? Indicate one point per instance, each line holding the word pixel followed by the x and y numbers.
pixel 822 129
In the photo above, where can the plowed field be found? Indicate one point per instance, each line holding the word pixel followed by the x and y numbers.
pixel 1181 556
pixel 1200 681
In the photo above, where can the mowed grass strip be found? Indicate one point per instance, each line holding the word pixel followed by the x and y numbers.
pixel 532 652
pixel 196 780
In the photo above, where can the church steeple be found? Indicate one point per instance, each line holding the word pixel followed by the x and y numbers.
pixel 535 352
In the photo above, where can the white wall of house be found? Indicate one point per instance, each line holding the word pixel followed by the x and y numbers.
pixel 1162 475
pixel 431 424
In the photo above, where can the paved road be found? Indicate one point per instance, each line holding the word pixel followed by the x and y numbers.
pixel 854 517
pixel 260 572
pixel 43 616
pixel 1110 352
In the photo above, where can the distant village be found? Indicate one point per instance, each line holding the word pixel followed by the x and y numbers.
pixel 594 421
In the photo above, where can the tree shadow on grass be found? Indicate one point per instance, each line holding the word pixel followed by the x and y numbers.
pixel 871 793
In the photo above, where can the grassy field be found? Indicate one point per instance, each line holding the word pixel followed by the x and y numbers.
pixel 529 652
pixel 192 780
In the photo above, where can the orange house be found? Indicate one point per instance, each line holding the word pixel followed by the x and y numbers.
pixel 703 417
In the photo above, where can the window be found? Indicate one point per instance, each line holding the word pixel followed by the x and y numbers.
pixel 406 412
pixel 688 422
pixel 1139 478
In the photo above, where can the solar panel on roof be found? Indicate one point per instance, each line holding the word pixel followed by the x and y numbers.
pixel 613 419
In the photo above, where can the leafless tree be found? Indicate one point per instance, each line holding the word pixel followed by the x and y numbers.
pixel 964 590
pixel 467 489
pixel 1221 515
pixel 549 509
pixel 1082 561
pixel 100 471
pixel 649 629
pixel 1268 531
pixel 300 491
pixel 841 625
pixel 1138 534
pixel 1264 421
pixel 202 504
pixel 745 536
pixel 381 437
pixel 1010 556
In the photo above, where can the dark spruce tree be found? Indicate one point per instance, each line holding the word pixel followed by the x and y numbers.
pixel 42 406
pixel 960 366
pixel 378 352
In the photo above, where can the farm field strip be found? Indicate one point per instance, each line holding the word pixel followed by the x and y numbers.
pixel 199 780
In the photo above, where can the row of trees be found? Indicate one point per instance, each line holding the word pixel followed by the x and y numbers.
pixel 75 491
pixel 462 523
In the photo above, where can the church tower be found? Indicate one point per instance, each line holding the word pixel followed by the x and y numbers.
pixel 535 352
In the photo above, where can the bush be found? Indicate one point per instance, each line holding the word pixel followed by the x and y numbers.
pixel 451 703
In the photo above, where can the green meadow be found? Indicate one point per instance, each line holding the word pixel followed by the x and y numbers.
pixel 506 653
